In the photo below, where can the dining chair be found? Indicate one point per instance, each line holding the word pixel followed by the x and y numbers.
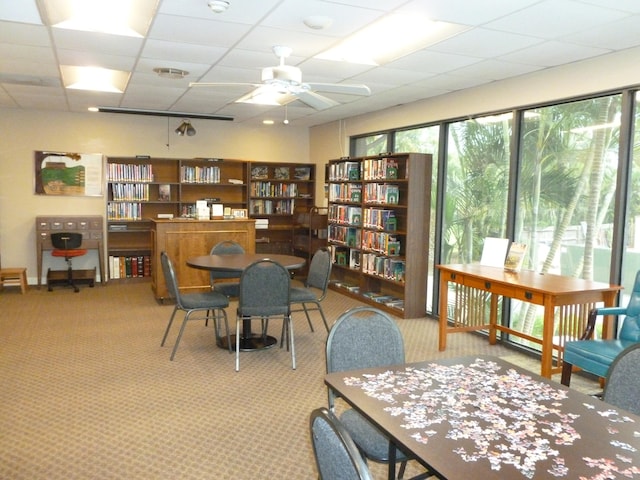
pixel 596 355
pixel 264 294
pixel 337 456
pixel 622 387
pixel 212 304
pixel 365 337
pixel 228 288
pixel 315 286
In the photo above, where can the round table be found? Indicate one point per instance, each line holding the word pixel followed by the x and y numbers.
pixel 237 262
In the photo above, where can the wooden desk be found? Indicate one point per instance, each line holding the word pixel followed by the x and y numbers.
pixel 91 227
pixel 574 297
pixel 237 263
pixel 482 417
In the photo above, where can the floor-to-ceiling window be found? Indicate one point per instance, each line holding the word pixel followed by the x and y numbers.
pixel 566 184
pixel 553 181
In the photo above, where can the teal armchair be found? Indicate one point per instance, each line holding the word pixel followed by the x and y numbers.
pixel 595 356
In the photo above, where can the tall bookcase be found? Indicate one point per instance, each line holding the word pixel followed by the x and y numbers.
pixel 378 230
pixel 140 189
pixel 277 193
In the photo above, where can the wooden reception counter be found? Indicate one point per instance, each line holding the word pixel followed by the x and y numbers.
pixel 185 238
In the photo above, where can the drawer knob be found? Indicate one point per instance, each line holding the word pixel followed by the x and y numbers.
pixel 487 285
pixel 528 295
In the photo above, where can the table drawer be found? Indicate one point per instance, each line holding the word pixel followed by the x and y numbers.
pixel 528 296
pixel 489 286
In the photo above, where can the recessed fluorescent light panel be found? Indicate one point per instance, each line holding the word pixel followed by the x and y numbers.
pixel 94 79
pixel 131 18
pixel 390 38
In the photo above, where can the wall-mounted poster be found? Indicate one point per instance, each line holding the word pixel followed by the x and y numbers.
pixel 65 173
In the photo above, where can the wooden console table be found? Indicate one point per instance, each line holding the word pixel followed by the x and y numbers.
pixel 574 297
pixel 91 227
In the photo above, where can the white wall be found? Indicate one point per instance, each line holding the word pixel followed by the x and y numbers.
pixel 23 132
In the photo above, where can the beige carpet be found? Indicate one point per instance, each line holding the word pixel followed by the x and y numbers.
pixel 88 393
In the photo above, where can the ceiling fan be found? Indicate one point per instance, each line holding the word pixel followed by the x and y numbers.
pixel 283 84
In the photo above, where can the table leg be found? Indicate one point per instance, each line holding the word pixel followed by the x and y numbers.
pixel 493 319
pixel 444 292
pixel 547 339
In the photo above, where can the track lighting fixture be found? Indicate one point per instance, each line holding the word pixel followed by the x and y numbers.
pixel 186 128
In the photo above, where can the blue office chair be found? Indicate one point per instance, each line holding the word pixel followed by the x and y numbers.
pixel 595 356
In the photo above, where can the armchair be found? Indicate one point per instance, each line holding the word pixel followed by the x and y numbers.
pixel 595 356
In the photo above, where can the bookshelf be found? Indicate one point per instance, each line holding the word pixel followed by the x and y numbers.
pixel 378 230
pixel 141 190
pixel 277 192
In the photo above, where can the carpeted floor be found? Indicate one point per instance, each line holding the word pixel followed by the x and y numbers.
pixel 88 393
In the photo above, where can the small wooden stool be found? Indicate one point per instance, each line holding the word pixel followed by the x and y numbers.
pixel 14 276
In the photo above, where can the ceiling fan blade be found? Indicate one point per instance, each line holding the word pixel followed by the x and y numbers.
pixel 357 89
pixel 223 84
pixel 315 100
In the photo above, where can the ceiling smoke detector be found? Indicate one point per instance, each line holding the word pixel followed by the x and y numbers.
pixel 166 72
pixel 218 6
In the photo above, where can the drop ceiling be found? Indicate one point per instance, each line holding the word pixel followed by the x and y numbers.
pixel 503 39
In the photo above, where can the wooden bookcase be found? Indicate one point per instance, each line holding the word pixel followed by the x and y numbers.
pixel 277 192
pixel 140 190
pixel 378 230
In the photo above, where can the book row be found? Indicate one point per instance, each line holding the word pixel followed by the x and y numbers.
pixel 268 189
pixel 123 172
pixel 386 267
pixel 345 192
pixel 198 174
pixel 129 266
pixel 124 211
pixel 382 193
pixel 343 171
pixel 380 169
pixel 344 214
pixel 130 191
pixel 272 207
pixel 378 297
pixel 349 236
pixel 381 242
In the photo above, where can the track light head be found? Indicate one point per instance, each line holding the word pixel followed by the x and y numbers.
pixel 185 128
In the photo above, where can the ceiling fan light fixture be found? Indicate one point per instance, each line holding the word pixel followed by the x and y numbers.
pixel 318 22
pixel 172 73
pixel 218 6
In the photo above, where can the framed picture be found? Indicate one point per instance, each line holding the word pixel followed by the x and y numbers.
pixel 68 174
pixel 239 212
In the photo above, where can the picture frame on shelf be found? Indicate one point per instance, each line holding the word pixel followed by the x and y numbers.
pixel 281 173
pixel 164 192
pixel 239 212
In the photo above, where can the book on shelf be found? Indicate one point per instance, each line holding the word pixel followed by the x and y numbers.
pixel 281 173
pixel 302 173
pixel 515 257
pixel 164 192
pixel 258 173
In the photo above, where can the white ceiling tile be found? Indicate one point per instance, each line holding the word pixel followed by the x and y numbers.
pixel 23 34
pixel 196 31
pixel 432 62
pixel 181 52
pixel 631 6
pixel 568 16
pixel 552 53
pixel 495 69
pixel 484 43
pixel 474 12
pixel 616 35
pixel 96 42
pixel 23 11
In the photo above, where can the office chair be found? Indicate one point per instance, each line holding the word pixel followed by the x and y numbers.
pixel 67 245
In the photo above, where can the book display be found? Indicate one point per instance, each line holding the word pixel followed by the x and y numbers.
pixel 378 230
pixel 277 194
pixel 142 189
